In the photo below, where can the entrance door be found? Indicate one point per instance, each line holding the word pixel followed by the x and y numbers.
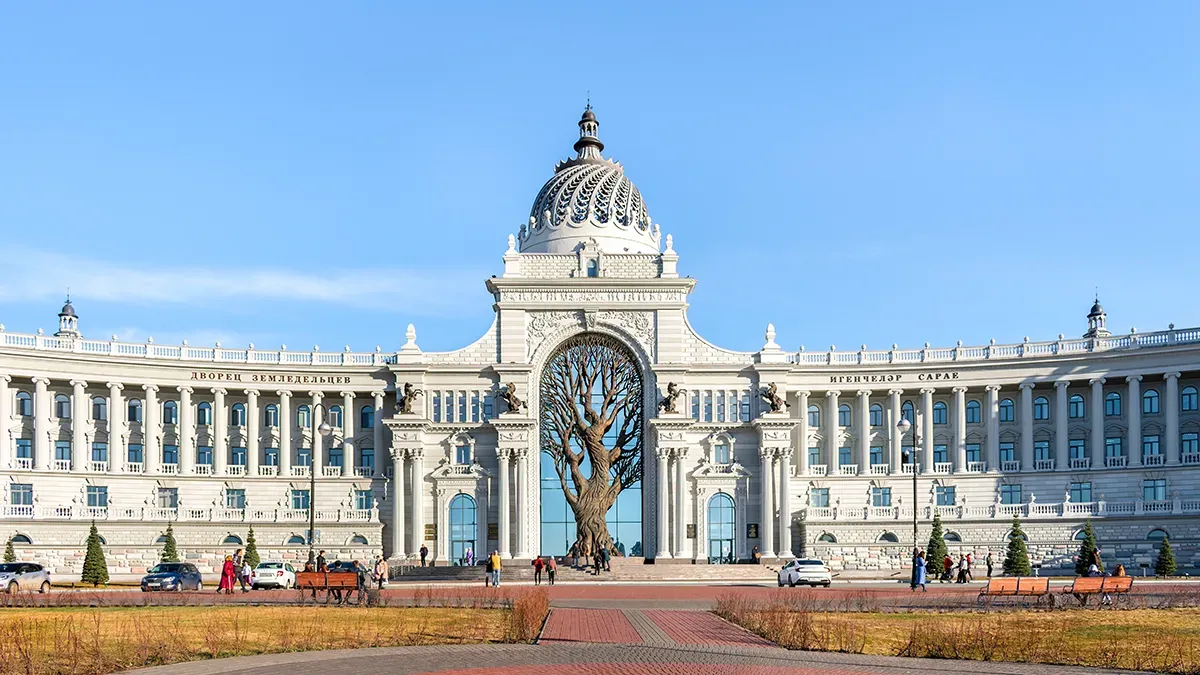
pixel 721 527
pixel 462 528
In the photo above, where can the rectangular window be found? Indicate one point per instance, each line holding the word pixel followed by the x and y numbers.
pixel 1154 490
pixel 1112 405
pixel 1150 402
pixel 906 454
pixel 1150 446
pixel 881 496
pixel 721 453
pixel 1189 444
pixel 368 458
pixel 745 407
pixel 303 456
pixel 844 457
pixel 62 450
pixel 1010 494
pixel 462 454
pixel 168 498
pixel 1113 448
pixel 235 498
pixel 1078 448
pixel 488 410
pixel 814 456
pixel 99 452
pixel 20 494
pixel 271 456
pixel 814 417
pixel 708 406
pixel 474 406
pixel 1075 409
pixel 720 406
pixel 462 407
pixel 271 416
pixel 1008 452
pixel 437 407
pixel 819 497
pixel 335 455
pixel 1041 451
pixel 876 416
pixel 877 454
pixel 973 413
pixel 845 417
pixel 974 453
pixel 238 456
pixel 135 453
pixel 204 454
pixel 99 410
pixel 1081 492
pixel 945 495
pixel 1008 411
pixel 696 407
pixel 941 453
pixel 170 454
pixel 939 413
pixel 364 500
pixel 24 448
pixel 300 499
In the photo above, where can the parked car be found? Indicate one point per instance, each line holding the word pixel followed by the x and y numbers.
pixel 805 571
pixel 23 576
pixel 173 577
pixel 273 574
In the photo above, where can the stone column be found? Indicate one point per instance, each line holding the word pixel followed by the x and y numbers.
pixel 1062 433
pixel 80 456
pixel 523 505
pixel 1027 426
pixel 993 428
pixel 6 452
pixel 1172 403
pixel 397 485
pixel 864 432
pixel 802 432
pixel 117 455
pixel 1097 418
pixel 504 456
pixel 348 459
pixel 253 417
pixel 785 502
pixel 316 461
pixel 220 433
pixel 150 430
pixel 186 432
pixel 418 497
pixel 680 491
pixel 766 535
pixel 831 432
pixel 41 424
pixel 660 477
pixel 482 504
pixel 895 439
pixel 285 432
pixel 927 430
pixel 377 431
pixel 960 429
pixel 1135 420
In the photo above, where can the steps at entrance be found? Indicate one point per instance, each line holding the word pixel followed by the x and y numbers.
pixel 622 569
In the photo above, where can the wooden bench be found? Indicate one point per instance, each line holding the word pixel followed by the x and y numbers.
pixel 341 582
pixel 1085 587
pixel 1016 587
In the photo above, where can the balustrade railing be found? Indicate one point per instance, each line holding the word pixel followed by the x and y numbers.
pixel 1010 466
pixel 997 511
pixel 148 513
pixel 976 467
pixel 1081 462
pixel 1191 458
pixel 942 467
pixel 61 465
pixel 1043 465
pixel 97 467
pixel 23 463
pixel 818 469
pixel 1115 462
pixel 879 469
pixel 364 471
pixel 138 467
pixel 236 469
pixel 848 470
pixel 1154 460
pixel 331 471
pixel 300 471
pixel 204 469
pixel 268 470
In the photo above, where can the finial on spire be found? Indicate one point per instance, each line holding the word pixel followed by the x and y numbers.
pixel 588 146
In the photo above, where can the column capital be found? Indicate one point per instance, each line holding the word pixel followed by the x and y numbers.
pixel 377 394
pixel 895 392
pixel 785 453
pixel 1096 380
pixel 40 380
pixel 1026 386
pixel 346 394
pixel 284 393
pixel 803 392
pixel 504 453
pixel 1173 375
pixel 1133 378
pixel 115 386
pixel 185 390
pixel 317 394
pixel 5 378
pixel 662 453
pixel 832 393
pixel 398 454
pixel 79 383
pixel 959 390
pixel 1062 383
pixel 679 452
pixel 150 388
pixel 766 453
pixel 928 391
pixel 219 391
pixel 864 392
pixel 250 393
pixel 993 387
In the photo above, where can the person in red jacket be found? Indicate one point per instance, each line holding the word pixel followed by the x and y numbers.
pixel 947 568
pixel 538 566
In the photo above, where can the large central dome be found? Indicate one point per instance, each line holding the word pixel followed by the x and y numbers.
pixel 589 197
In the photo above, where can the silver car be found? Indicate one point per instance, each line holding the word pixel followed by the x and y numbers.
pixel 23 576
pixel 805 571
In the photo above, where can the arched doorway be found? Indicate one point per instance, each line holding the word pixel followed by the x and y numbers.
pixel 462 528
pixel 721 528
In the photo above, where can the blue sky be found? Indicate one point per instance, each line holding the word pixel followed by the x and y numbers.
pixel 307 173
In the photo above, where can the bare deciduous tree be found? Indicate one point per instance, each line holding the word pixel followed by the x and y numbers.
pixel 591 407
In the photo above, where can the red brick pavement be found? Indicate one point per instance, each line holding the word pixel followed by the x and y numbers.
pixel 589 625
pixel 702 628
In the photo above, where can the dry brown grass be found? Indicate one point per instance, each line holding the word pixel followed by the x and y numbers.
pixel 1166 640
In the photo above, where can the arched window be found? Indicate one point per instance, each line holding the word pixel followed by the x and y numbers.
pixel 103 541
pixel 232 540
pixel 358 540
pixel 21 539
pixel 170 412
pixel 1080 535
pixel 814 416
pixel 1009 536
pixel 295 540
pixel 1112 404
pixel 951 536
pixel 1157 534
pixel 721 528
pixel 335 416
pixel 1041 408
pixel 908 412
pixel 99 409
pixel 1076 408
pixel 302 417
pixel 721 453
pixel 204 414
pixel 1189 400
pixel 62 407
pixel 1150 402
pixel 24 404
pixel 366 417
pixel 463 527
pixel 162 539
pixel 888 538
pixel 845 419
pixel 271 415
pixel 973 412
pixel 876 415
pixel 939 413
pixel 1008 411
pixel 135 411
pixel 827 538
pixel 237 415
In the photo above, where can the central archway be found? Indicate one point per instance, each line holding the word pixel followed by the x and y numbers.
pixel 591 437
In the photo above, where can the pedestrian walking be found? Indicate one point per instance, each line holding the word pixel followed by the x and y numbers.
pixel 606 558
pixel 948 567
pixel 247 581
pixel 360 573
pixel 538 566
pixel 469 557
pixel 237 568
pixel 970 565
pixel 962 570
pixel 918 577
pixel 756 556
pixel 424 554
pixel 321 566
pixel 551 568
pixel 496 565
pixel 487 572
pixel 990 563
pixel 227 576
pixel 575 555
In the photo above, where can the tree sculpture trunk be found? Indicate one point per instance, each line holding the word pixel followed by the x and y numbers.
pixel 591 427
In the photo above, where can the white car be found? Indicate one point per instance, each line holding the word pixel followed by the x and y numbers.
pixel 273 574
pixel 23 576
pixel 805 571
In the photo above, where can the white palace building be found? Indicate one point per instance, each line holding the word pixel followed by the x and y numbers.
pixel 214 440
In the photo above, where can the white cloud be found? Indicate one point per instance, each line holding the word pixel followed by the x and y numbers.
pixel 32 275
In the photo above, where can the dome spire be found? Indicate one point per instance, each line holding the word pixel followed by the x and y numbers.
pixel 588 146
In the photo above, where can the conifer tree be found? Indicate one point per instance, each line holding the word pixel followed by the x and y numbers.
pixel 9 554
pixel 95 570
pixel 170 551
pixel 1016 560
pixel 1164 566
pixel 1086 549
pixel 251 556
pixel 936 552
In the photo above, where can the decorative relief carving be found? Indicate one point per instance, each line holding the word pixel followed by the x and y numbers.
pixel 776 435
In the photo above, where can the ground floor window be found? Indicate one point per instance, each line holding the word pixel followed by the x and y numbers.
pixel 462 528
pixel 1010 494
pixel 97 496
pixel 721 528
pixel 1081 492
pixel 881 496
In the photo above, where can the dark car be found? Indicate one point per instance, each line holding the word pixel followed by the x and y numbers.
pixel 173 577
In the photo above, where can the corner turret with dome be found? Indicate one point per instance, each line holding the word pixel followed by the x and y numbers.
pixel 589 197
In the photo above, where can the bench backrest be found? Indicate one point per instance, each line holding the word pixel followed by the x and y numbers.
pixel 1117 584
pixel 1001 586
pixel 326 580
pixel 1033 585
pixel 1087 585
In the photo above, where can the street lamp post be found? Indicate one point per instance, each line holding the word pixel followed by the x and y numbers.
pixel 903 426
pixel 325 431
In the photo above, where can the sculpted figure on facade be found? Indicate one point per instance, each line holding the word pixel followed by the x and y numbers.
pixel 774 400
pixel 667 404
pixel 510 398
pixel 405 403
